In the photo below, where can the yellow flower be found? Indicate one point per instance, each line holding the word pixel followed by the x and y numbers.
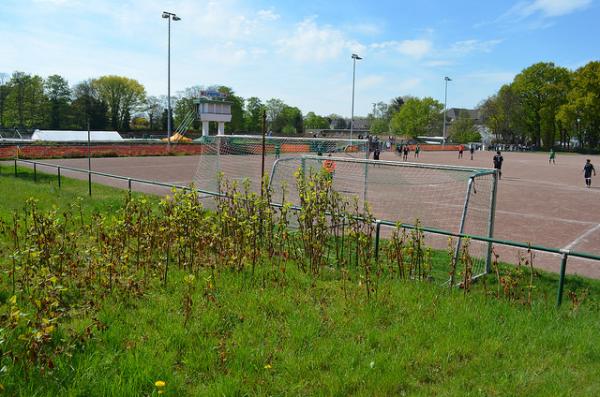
pixel 160 383
pixel 268 366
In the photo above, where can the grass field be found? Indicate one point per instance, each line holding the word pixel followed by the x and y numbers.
pixel 237 333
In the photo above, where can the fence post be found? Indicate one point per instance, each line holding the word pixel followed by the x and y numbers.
pixel 15 167
pixel 377 233
pixel 35 172
pixel 89 183
pixel 129 185
pixel 561 280
pixel 58 169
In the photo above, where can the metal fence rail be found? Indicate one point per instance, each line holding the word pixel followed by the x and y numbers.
pixel 564 253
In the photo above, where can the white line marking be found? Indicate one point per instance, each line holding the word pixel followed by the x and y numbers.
pixel 581 237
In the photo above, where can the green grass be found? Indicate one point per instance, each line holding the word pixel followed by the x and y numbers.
pixel 261 336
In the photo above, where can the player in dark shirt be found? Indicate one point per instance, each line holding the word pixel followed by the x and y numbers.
pixel 498 159
pixel 376 154
pixel 588 168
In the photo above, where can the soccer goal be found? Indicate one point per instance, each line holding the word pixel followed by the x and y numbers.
pixel 455 199
pixel 239 157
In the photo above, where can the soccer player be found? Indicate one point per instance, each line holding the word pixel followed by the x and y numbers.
pixel 472 150
pixel 417 150
pixel 329 166
pixel 498 159
pixel 461 149
pixel 405 153
pixel 588 168
pixel 552 156
pixel 376 153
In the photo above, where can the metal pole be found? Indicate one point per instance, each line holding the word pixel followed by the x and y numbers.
pixel 129 185
pixel 262 163
pixel 89 161
pixel 488 260
pixel 561 281
pixel 35 172
pixel 377 232
pixel 352 114
pixel 463 219
pixel 15 167
pixel 445 101
pixel 58 173
pixel 169 86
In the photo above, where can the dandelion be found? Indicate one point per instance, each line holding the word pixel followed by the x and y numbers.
pixel 268 366
pixel 160 384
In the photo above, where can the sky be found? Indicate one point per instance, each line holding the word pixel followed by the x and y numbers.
pixel 300 51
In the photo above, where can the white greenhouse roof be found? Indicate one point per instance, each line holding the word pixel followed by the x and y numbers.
pixel 67 136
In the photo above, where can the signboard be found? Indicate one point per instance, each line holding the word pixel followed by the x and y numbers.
pixel 212 94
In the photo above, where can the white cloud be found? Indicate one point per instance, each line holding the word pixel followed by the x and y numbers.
pixel 467 46
pixel 549 8
pixel 413 48
pixel 370 81
pixel 268 15
pixel 310 42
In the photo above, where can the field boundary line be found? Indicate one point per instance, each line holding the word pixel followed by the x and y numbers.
pixel 582 236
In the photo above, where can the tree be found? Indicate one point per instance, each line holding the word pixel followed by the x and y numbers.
pixel 541 89
pixel 274 107
pixel 313 121
pixel 86 106
pixel 122 95
pixel 26 102
pixel 59 94
pixel 237 109
pixel 379 126
pixel 394 106
pixel 462 130
pixel 288 121
pixel 154 108
pixel 581 112
pixel 417 117
pixel 253 114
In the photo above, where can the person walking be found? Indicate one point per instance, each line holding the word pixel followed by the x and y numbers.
pixel 461 149
pixel 472 150
pixel 551 159
pixel 588 168
pixel 405 153
pixel 376 153
pixel 498 160
pixel 417 150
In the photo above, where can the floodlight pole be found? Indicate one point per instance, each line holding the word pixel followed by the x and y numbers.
pixel 89 159
pixel 446 79
pixel 354 58
pixel 169 16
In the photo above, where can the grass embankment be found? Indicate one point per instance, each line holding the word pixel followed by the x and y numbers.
pixel 228 332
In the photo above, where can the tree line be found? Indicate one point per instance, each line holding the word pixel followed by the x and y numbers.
pixel 547 105
pixel 122 104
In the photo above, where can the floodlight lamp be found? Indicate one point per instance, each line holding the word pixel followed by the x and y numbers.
pixel 447 78
pixel 176 18
pixel 354 56
pixel 165 15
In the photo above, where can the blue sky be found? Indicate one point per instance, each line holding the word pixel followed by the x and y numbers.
pixel 300 51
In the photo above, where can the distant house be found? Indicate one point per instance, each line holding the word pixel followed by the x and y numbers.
pixel 454 113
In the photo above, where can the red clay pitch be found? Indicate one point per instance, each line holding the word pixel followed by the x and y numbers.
pixel 537 202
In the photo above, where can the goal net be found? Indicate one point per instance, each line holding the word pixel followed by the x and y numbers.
pixel 239 157
pixel 448 198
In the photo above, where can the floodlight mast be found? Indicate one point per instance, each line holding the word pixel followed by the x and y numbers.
pixel 169 16
pixel 446 79
pixel 355 57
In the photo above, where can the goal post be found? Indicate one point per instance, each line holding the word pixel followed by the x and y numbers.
pixel 449 198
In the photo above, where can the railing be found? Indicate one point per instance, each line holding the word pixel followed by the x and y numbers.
pixel 564 253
